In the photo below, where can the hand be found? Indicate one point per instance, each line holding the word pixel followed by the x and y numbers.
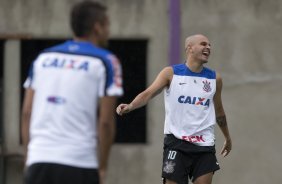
pixel 102 176
pixel 227 146
pixel 24 163
pixel 123 109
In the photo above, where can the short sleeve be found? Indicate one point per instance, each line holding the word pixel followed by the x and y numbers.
pixel 113 84
pixel 29 82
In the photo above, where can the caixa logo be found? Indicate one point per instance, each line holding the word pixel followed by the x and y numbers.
pixel 62 63
pixel 194 100
pixel 56 100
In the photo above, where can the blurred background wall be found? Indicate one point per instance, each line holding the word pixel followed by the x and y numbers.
pixel 246 48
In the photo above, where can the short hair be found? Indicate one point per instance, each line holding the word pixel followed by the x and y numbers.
pixel 84 15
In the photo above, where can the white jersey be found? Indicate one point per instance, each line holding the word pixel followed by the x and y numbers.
pixel 68 80
pixel 189 106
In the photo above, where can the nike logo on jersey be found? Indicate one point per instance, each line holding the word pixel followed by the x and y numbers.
pixel 194 100
pixel 181 83
pixel 56 100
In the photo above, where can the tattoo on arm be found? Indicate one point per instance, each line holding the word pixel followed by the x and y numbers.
pixel 221 121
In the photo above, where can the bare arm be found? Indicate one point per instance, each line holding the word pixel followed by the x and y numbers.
pixel 163 80
pixel 107 129
pixel 221 117
pixel 25 118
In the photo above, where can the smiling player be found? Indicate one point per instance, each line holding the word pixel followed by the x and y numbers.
pixel 193 105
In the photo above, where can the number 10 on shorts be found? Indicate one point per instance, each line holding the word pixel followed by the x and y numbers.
pixel 171 155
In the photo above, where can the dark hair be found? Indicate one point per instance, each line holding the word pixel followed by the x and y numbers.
pixel 84 15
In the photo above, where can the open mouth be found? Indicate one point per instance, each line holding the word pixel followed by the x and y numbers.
pixel 206 53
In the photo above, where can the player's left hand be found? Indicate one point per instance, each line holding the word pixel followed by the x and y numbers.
pixel 227 146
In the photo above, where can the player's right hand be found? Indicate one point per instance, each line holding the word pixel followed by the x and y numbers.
pixel 227 146
pixel 102 176
pixel 123 109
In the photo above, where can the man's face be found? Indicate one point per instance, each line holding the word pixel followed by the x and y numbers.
pixel 200 49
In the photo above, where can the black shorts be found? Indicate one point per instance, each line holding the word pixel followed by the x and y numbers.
pixel 182 159
pixel 49 173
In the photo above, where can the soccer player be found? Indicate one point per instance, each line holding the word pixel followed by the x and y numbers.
pixel 192 104
pixel 68 112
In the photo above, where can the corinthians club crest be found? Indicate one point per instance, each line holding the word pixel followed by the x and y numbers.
pixel 169 167
pixel 207 86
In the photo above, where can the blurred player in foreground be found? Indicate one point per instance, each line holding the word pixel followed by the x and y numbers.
pixel 192 105
pixel 67 86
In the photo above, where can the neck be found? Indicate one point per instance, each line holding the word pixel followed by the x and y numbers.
pixel 194 66
pixel 90 39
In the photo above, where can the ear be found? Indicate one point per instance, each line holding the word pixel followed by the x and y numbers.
pixel 97 28
pixel 186 48
pixel 189 48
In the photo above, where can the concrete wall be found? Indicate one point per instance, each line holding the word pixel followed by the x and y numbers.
pixel 140 164
pixel 245 37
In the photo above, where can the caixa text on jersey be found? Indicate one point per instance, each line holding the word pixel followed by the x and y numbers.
pixel 63 63
pixel 194 100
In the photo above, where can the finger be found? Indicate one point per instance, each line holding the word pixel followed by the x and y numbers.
pixel 226 153
pixel 119 109
pixel 120 112
pixel 222 150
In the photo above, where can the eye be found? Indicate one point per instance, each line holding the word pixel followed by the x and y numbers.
pixel 203 43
